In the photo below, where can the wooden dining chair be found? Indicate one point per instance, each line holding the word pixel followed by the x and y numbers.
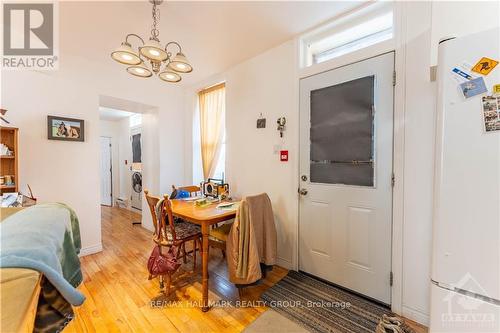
pixel 218 236
pixel 172 232
pixel 152 202
pixel 193 190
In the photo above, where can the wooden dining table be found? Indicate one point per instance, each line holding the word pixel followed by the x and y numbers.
pixel 204 216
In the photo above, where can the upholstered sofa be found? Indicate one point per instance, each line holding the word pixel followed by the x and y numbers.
pixel 19 292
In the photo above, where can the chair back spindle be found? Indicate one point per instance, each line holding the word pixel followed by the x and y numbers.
pixel 152 201
pixel 167 215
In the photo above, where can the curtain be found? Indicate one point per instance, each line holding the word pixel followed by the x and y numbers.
pixel 212 104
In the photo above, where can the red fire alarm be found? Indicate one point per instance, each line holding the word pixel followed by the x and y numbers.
pixel 284 156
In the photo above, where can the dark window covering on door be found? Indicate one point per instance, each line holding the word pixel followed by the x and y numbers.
pixel 136 148
pixel 342 132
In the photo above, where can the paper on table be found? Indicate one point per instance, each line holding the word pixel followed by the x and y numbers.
pixel 228 205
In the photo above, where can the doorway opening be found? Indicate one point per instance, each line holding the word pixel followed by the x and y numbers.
pixel 126 131
pixel 121 150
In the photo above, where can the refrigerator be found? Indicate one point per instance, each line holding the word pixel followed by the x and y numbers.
pixel 465 273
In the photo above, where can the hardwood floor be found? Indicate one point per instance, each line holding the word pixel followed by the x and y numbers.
pixel 120 297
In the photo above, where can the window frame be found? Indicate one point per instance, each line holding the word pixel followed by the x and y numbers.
pixel 342 23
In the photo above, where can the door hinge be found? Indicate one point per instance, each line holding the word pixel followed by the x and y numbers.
pixel 394 78
pixel 391 279
pixel 393 179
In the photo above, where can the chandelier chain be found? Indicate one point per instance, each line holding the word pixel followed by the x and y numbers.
pixel 156 13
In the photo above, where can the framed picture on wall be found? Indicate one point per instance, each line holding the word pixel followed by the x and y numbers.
pixel 66 129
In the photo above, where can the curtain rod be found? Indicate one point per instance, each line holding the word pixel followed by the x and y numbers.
pixel 212 88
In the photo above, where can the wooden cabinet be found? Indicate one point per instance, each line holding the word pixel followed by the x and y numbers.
pixel 8 163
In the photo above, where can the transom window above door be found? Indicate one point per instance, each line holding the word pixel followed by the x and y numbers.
pixel 369 25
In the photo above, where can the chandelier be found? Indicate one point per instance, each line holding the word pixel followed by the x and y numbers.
pixel 161 61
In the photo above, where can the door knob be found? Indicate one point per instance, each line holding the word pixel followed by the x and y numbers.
pixel 303 191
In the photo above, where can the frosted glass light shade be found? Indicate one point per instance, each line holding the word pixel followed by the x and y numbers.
pixel 170 76
pixel 124 54
pixel 139 70
pixel 180 64
pixel 153 51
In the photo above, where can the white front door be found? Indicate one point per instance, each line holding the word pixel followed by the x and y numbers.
pixel 346 141
pixel 106 191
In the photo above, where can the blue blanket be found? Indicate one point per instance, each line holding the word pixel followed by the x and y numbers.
pixel 45 238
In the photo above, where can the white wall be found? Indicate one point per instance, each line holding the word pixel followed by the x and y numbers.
pixel 57 170
pixel 265 84
pixel 125 154
pixel 448 19
pixel 152 173
pixel 419 117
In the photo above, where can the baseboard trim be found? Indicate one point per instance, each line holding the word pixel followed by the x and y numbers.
pixel 285 263
pixel 90 250
pixel 148 227
pixel 416 315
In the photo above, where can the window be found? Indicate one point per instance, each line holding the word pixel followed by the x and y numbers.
pixel 369 26
pixel 212 133
pixel 220 166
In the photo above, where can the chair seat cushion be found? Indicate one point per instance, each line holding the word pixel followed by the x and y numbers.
pixel 221 232
pixel 183 230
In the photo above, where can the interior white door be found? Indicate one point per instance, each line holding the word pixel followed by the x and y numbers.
pixel 106 176
pixel 346 147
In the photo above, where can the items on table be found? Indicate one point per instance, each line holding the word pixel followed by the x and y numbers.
pixel 215 188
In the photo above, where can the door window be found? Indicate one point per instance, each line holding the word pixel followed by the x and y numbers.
pixel 342 129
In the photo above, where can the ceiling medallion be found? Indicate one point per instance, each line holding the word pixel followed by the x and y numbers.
pixel 150 57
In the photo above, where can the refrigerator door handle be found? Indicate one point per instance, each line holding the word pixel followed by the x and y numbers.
pixel 443 285
pixel 467 293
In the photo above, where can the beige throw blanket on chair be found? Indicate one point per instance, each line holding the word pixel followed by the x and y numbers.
pixel 252 240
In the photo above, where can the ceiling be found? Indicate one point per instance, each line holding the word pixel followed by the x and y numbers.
pixel 214 35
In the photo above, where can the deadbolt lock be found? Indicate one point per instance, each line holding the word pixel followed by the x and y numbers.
pixel 304 178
